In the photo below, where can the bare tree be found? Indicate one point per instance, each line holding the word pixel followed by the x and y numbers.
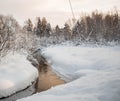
pixel 8 28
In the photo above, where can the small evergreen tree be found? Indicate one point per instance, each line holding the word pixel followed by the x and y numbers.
pixel 67 32
pixel 28 26
pixel 38 30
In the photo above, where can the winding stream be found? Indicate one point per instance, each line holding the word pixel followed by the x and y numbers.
pixel 47 79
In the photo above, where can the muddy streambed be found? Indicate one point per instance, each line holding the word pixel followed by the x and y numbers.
pixel 47 79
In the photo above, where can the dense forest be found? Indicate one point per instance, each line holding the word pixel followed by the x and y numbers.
pixel 96 28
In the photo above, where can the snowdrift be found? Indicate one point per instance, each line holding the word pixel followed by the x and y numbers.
pixel 93 72
pixel 16 73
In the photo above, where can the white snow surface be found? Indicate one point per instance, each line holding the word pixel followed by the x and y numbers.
pixel 16 73
pixel 93 72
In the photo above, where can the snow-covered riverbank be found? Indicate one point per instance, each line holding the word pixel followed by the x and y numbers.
pixel 94 73
pixel 16 73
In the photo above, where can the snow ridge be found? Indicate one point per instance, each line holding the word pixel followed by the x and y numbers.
pixel 16 73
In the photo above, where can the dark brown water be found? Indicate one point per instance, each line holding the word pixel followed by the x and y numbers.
pixel 48 79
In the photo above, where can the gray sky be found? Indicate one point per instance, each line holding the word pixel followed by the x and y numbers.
pixel 56 11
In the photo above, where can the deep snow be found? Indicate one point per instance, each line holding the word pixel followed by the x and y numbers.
pixel 94 73
pixel 16 73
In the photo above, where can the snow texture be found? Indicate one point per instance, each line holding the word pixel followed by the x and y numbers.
pixel 93 72
pixel 16 73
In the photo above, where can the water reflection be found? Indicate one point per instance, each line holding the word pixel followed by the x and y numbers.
pixel 47 78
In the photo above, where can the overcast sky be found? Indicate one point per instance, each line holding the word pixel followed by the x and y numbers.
pixel 56 11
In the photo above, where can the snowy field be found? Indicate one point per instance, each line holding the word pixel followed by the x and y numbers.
pixel 93 74
pixel 16 73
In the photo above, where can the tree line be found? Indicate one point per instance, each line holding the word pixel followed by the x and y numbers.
pixel 97 27
pixel 41 27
